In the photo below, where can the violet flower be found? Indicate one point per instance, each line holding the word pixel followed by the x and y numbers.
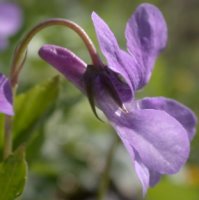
pixel 5 96
pixel 10 22
pixel 155 131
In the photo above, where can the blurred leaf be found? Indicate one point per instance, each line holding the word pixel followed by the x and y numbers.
pixel 34 145
pixel 13 175
pixel 32 107
pixel 167 190
pixel 193 174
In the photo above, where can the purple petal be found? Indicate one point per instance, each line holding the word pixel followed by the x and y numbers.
pixel 157 143
pixel 180 112
pixel 146 34
pixel 142 173
pixel 148 178
pixel 117 59
pixel 141 170
pixel 159 139
pixel 154 178
pixel 107 42
pixel 5 96
pixel 66 62
pixel 10 19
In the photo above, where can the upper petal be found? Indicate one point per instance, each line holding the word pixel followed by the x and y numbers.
pixel 6 106
pixel 117 59
pixel 66 62
pixel 180 112
pixel 107 42
pixel 146 34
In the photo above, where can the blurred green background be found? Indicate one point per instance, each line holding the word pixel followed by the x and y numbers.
pixel 69 147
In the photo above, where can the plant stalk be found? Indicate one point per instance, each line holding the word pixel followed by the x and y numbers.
pixel 7 148
pixel 105 178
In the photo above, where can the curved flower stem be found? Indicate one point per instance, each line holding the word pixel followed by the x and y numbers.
pixel 104 181
pixel 20 57
pixel 20 52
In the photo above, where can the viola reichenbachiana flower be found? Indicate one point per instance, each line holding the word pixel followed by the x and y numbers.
pixel 5 96
pixel 10 22
pixel 155 131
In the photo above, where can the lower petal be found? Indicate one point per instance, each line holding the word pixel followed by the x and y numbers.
pixel 142 173
pixel 154 178
pixel 160 140
pixel 180 112
pixel 148 178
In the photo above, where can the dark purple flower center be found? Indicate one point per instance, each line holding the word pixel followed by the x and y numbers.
pixel 107 80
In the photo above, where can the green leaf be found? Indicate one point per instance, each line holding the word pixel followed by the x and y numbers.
pixel 32 108
pixel 13 175
pixel 169 190
pixel 33 148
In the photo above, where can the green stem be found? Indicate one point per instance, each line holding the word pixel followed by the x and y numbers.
pixel 104 181
pixel 7 148
pixel 21 49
